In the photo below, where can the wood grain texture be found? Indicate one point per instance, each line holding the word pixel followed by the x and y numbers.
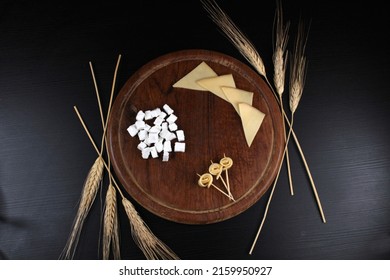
pixel 212 128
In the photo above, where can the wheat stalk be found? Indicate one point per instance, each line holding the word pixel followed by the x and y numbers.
pixel 151 246
pixel 234 34
pixel 280 62
pixel 279 59
pixel 297 82
pixel 246 48
pixel 110 220
pixel 90 189
pixel 110 225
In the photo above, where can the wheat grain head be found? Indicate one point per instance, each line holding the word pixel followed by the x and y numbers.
pixel 110 222
pixel 279 57
pixel 90 189
pixel 150 245
pixel 298 68
pixel 235 35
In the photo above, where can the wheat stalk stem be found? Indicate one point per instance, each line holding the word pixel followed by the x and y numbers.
pixel 233 33
pixel 110 218
pixel 90 189
pixel 151 246
pixel 279 59
pixel 247 49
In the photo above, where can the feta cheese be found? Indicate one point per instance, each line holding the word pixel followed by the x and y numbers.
pixel 167 146
pixel 140 115
pixel 160 137
pixel 180 147
pixel 158 121
pixel 152 138
pixel 168 109
pixel 180 135
pixel 145 153
pixel 153 152
pixel 140 125
pixel 132 129
pixel 142 134
pixel 172 127
pixel 172 118
pixel 141 146
pixel 148 115
pixel 165 156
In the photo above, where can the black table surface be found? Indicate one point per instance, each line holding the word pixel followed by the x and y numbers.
pixel 341 122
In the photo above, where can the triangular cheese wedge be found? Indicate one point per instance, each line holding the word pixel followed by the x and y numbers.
pixel 251 119
pixel 199 72
pixel 236 96
pixel 214 84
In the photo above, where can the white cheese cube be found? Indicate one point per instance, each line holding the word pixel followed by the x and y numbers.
pixel 148 115
pixel 152 138
pixel 140 125
pixel 180 135
pixel 159 145
pixel 180 147
pixel 147 127
pixel 165 156
pixel 168 109
pixel 167 146
pixel 140 115
pixel 165 133
pixel 171 136
pixel 164 125
pixel 155 129
pixel 153 152
pixel 145 153
pixel 172 127
pixel 142 134
pixel 155 112
pixel 132 129
pixel 141 146
pixel 158 121
pixel 162 115
pixel 172 118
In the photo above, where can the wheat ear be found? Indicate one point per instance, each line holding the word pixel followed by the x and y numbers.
pixel 90 189
pixel 150 245
pixel 110 219
pixel 297 82
pixel 110 223
pixel 247 50
pixel 279 59
pixel 234 34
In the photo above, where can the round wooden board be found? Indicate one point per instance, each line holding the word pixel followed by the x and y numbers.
pixel 212 129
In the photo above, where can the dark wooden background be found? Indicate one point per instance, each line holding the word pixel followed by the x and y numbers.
pixel 342 123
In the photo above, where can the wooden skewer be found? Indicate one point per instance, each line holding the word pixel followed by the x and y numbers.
pixel 204 181
pixel 216 169
pixel 227 163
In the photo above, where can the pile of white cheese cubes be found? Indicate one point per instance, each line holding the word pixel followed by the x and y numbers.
pixel 157 132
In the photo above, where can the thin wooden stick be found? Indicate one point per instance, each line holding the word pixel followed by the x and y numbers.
pixel 279 59
pixel 218 189
pixel 247 49
pixel 150 245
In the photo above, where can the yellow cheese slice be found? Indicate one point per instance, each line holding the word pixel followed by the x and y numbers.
pixel 236 96
pixel 251 119
pixel 199 72
pixel 214 84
